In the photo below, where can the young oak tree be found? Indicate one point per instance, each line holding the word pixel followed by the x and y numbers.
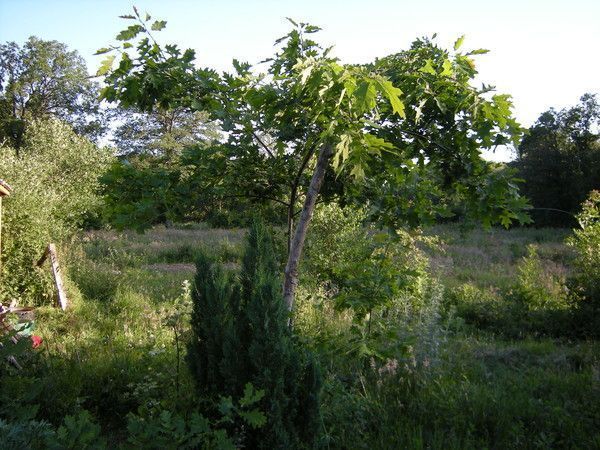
pixel 308 114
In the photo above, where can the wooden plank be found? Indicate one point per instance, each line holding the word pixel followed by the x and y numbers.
pixel 5 188
pixel 56 272
pixel 0 237
pixel 62 296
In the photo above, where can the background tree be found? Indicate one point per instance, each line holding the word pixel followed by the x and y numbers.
pixel 45 79
pixel 559 160
pixel 322 115
pixel 164 133
pixel 155 180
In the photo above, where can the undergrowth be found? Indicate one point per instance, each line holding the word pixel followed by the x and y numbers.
pixel 473 349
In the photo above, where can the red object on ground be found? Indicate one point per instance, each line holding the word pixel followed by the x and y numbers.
pixel 36 341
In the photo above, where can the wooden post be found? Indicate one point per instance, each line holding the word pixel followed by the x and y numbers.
pixel 62 296
pixel 0 236
pixel 5 190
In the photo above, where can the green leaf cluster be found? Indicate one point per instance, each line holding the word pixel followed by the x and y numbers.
pixel 76 431
pixel 168 430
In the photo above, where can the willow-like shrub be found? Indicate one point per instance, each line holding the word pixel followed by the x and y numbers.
pixel 54 177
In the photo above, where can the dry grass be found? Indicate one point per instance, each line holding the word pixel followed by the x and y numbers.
pixel 490 258
pixel 175 267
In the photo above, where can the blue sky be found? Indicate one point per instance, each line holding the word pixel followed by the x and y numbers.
pixel 543 53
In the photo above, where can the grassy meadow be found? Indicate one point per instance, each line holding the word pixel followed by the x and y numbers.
pixel 472 373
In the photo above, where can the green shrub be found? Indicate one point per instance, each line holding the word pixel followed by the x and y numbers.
pixel 337 238
pixel 537 302
pixel 481 307
pixel 538 288
pixel 390 270
pixel 586 280
pixel 55 181
pixel 380 277
pixel 541 303
pixel 240 334
pixel 173 431
pixel 76 432
pixel 586 242
pixel 367 268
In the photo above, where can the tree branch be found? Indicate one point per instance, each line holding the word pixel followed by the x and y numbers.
pixel 554 209
pixel 262 144
pixel 316 203
pixel 262 197
pixel 423 136
pixel 303 165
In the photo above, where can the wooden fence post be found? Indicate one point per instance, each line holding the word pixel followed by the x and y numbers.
pixel 1 236
pixel 60 289
pixel 5 191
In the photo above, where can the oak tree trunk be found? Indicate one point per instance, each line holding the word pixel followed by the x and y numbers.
pixel 295 251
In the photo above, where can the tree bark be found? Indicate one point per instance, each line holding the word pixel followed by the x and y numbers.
pixel 295 252
pixel 290 228
pixel 294 195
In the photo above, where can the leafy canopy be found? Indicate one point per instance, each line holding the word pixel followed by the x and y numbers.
pixel 43 79
pixel 409 128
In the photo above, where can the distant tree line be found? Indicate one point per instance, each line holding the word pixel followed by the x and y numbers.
pixel 559 159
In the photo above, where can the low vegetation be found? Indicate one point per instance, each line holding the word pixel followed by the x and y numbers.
pixel 459 358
